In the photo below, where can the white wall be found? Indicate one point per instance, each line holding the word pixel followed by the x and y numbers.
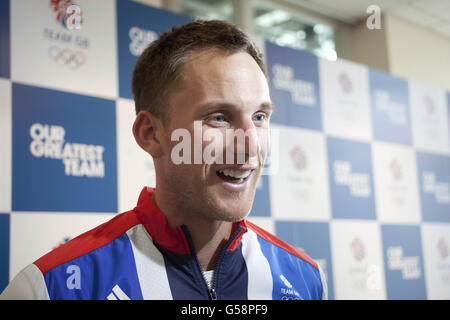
pixel 362 45
pixel 400 48
pixel 417 53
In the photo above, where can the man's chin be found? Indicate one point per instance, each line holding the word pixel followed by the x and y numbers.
pixel 232 211
pixel 227 217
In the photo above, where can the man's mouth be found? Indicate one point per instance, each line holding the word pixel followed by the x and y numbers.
pixel 234 175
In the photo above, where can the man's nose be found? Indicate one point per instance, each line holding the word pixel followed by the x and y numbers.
pixel 245 142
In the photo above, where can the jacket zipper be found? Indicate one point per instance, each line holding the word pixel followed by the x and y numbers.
pixel 212 294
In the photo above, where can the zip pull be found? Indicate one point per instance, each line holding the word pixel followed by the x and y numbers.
pixel 212 294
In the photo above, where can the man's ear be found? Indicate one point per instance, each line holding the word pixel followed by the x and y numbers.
pixel 147 130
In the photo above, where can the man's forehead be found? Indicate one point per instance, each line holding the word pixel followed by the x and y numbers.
pixel 213 60
pixel 214 79
pixel 220 71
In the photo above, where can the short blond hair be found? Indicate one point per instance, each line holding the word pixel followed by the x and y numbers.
pixel 157 70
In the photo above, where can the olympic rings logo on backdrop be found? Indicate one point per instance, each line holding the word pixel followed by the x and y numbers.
pixel 66 57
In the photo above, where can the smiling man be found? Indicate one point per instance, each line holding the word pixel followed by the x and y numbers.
pixel 203 85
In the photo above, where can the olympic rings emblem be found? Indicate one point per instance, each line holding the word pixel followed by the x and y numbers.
pixel 66 57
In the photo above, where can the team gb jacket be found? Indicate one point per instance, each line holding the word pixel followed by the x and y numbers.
pixel 136 255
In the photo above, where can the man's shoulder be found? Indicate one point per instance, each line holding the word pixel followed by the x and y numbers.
pixel 89 241
pixel 273 240
pixel 294 274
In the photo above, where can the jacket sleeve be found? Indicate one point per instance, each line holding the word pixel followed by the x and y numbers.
pixel 324 284
pixel 29 284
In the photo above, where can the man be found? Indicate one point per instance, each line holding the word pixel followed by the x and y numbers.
pixel 195 89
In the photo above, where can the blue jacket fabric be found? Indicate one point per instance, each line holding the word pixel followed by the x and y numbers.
pixel 136 255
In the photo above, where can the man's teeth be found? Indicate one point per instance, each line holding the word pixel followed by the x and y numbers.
pixel 237 174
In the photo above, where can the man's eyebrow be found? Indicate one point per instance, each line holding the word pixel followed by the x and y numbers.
pixel 212 106
pixel 267 105
pixel 218 105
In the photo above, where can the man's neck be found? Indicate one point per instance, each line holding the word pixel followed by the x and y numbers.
pixel 208 236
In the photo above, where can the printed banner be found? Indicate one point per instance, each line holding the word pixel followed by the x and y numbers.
pixel 4 39
pixel 5 145
pixel 345 99
pixel 436 252
pixel 390 108
pixel 351 179
pixel 294 87
pixel 4 250
pixel 434 185
pixel 357 260
pixel 299 190
pixel 137 27
pixel 429 114
pixel 261 203
pixel 64 151
pixel 76 53
pixel 395 181
pixel 403 263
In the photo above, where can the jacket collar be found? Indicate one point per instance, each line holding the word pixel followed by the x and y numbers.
pixel 173 239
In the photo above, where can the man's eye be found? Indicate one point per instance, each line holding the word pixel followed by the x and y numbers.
pixel 260 117
pixel 218 118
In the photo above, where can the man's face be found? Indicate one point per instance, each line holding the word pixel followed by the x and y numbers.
pixel 221 93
